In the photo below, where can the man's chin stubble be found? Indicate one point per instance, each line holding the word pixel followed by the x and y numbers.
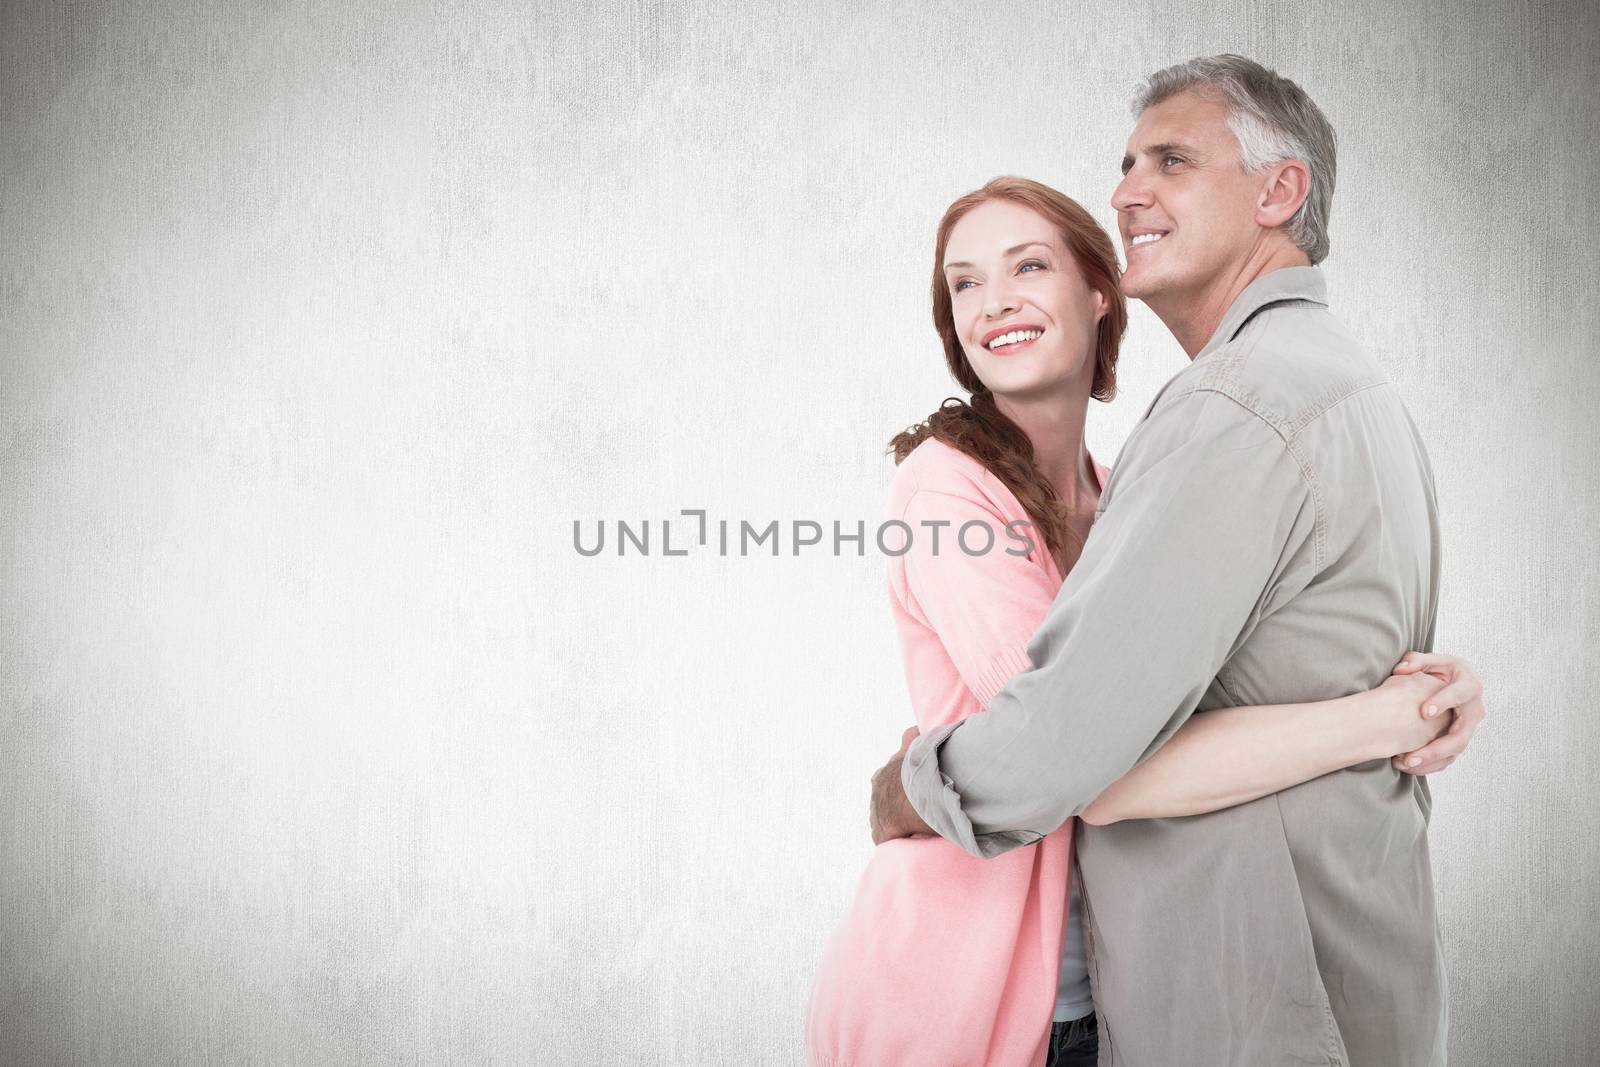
pixel 1138 290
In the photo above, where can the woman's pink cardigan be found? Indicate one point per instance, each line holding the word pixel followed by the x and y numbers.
pixel 943 959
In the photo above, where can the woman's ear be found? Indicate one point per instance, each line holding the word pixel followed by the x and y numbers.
pixel 1101 305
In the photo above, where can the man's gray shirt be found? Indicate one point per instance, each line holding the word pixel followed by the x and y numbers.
pixel 1269 535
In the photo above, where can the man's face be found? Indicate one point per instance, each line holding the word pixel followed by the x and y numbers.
pixel 1185 208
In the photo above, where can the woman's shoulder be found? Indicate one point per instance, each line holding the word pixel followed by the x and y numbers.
pixel 1101 472
pixel 937 467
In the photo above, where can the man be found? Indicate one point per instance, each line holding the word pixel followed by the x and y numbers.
pixel 1269 535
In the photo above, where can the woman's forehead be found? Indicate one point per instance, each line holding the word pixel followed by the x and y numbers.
pixel 996 227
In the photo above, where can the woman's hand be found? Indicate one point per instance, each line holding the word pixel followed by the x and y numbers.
pixel 1395 716
pixel 1462 693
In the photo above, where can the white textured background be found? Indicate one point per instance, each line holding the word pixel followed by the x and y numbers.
pixel 319 326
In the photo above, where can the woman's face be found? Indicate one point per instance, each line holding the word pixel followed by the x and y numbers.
pixel 1025 316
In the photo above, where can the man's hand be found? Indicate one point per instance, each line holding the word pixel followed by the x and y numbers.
pixel 892 813
pixel 1463 693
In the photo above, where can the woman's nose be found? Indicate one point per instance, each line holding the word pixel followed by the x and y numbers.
pixel 999 301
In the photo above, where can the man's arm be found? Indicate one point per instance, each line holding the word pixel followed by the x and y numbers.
pixel 1209 521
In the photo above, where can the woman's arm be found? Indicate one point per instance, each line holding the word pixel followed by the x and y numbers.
pixel 1232 755
pixel 982 608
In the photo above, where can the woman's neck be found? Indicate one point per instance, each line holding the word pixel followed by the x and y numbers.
pixel 1054 424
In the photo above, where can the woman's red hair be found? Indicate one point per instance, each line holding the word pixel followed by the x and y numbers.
pixel 978 427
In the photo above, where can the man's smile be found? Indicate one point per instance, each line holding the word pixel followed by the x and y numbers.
pixel 1144 237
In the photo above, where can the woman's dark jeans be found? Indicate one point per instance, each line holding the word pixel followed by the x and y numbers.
pixel 1074 1043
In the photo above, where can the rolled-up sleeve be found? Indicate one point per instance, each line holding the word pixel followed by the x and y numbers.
pixel 1207 513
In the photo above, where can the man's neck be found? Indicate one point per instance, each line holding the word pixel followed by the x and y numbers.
pixel 1194 315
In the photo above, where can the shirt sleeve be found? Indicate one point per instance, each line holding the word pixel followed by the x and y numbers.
pixel 971 582
pixel 1207 514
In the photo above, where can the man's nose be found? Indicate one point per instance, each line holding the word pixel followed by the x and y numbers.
pixel 1133 191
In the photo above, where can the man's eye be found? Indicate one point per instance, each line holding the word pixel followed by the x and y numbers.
pixel 1171 159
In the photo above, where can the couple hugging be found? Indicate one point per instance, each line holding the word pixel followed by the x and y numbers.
pixel 1164 803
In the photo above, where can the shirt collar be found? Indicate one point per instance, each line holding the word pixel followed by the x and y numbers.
pixel 1274 287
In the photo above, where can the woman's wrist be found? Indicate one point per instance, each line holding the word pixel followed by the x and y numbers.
pixel 1346 730
pixel 1375 729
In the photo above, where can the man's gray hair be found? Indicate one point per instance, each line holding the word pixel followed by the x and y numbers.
pixel 1273 120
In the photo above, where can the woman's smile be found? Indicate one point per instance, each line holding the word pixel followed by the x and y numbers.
pixel 1008 339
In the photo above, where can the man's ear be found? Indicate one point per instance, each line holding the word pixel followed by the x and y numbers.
pixel 1285 187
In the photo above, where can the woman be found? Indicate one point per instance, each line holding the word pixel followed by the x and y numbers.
pixel 945 959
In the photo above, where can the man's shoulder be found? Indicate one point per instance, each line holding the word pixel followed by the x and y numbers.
pixel 1287 365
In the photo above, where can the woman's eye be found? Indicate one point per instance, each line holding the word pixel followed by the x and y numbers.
pixel 962 284
pixel 1030 263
